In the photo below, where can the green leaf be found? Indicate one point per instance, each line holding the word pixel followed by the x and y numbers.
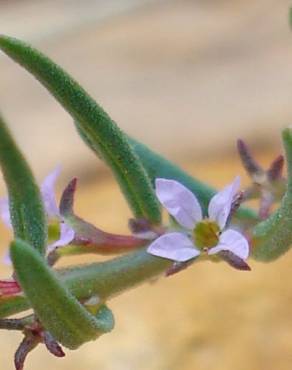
pixel 57 309
pixel 273 237
pixel 105 137
pixel 26 207
pixel 70 94
pixel 12 305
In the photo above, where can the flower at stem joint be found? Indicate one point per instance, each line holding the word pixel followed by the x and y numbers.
pixel 198 234
pixel 67 233
pixel 52 211
pixel 68 230
pixel 267 185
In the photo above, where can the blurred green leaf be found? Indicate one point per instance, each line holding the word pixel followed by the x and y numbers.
pixel 26 207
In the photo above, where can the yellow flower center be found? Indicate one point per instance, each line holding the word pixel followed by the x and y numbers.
pixel 206 234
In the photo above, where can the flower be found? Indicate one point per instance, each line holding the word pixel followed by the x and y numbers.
pixel 198 234
pixel 48 195
pixel 268 185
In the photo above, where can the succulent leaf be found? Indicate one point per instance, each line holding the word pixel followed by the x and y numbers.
pixel 26 207
pixel 106 139
pixel 57 309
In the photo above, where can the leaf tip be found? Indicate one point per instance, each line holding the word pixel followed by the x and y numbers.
pixel 287 132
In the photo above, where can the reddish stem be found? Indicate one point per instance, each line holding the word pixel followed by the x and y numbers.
pixel 9 287
pixel 111 243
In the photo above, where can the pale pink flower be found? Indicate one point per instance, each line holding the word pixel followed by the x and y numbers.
pixel 51 208
pixel 198 234
pixel 48 194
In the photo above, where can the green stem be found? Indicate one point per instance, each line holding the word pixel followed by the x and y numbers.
pixel 273 237
pixel 105 279
pixel 25 202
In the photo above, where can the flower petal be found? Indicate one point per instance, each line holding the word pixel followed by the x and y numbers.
pixel 174 246
pixel 6 259
pixel 220 205
pixel 48 193
pixel 234 242
pixel 179 201
pixel 4 212
pixel 67 234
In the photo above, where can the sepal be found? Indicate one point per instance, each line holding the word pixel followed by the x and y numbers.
pixel 88 238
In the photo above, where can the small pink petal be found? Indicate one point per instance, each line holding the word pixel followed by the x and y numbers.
pixel 5 212
pixel 67 234
pixel 174 246
pixel 234 242
pixel 220 205
pixel 148 235
pixel 6 259
pixel 179 201
pixel 48 193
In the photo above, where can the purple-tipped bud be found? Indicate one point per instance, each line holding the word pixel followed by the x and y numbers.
pixel 67 199
pixel 177 267
pixel 276 169
pixel 234 261
pixel 87 235
pixel 52 345
pixel 26 346
pixel 249 163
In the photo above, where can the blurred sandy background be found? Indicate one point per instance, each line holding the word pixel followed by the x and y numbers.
pixel 188 78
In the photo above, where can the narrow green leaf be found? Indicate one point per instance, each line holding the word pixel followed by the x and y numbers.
pixel 12 305
pixel 69 90
pixel 26 207
pixel 57 309
pixel 106 138
pixel 273 237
